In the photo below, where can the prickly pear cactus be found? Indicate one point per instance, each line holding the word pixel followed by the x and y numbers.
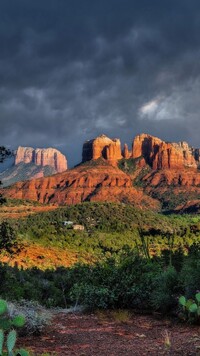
pixel 6 323
pixel 3 306
pixel 11 341
pixel 18 321
pixel 191 307
pixel 1 341
pixel 21 352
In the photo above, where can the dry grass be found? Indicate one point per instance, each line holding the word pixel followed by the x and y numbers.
pixel 118 315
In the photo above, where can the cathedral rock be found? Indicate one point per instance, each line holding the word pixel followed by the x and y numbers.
pixel 151 150
pixel 102 147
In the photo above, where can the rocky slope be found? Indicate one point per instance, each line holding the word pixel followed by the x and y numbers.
pixel 173 188
pixel 100 182
pixel 24 171
pixel 32 163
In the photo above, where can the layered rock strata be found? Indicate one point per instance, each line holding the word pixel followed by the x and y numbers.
pixel 164 155
pixel 153 151
pixel 84 183
pixel 42 157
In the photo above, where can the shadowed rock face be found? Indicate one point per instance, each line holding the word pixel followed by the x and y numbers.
pixel 42 157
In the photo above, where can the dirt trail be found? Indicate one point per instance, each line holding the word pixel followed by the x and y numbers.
pixel 88 335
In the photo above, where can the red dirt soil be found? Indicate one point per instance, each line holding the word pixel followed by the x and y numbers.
pixel 19 211
pixel 82 334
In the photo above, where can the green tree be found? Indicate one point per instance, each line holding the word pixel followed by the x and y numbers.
pixel 4 153
pixel 8 239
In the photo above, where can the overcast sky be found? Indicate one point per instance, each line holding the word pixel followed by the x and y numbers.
pixel 73 69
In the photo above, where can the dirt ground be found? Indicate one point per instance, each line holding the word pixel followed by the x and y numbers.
pixel 101 334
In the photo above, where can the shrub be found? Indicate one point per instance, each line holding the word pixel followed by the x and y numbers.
pixel 190 273
pixel 165 290
pixel 92 297
pixel 8 240
pixel 37 317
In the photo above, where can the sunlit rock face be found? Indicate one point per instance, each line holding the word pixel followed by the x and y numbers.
pixel 163 155
pixel 102 147
pixel 42 157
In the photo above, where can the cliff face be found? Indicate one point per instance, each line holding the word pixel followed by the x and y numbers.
pixel 42 157
pixel 156 153
pixel 104 147
pixel 163 155
pixel 159 168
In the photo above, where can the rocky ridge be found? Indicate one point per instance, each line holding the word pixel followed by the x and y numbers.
pixel 153 151
pixel 101 182
pixel 152 172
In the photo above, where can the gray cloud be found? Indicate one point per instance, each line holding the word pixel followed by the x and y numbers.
pixel 70 70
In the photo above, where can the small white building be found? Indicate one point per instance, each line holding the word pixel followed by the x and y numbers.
pixel 67 223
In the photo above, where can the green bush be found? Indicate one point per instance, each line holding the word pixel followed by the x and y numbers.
pixel 190 273
pixel 166 287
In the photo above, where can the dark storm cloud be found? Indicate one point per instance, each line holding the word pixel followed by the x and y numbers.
pixel 70 70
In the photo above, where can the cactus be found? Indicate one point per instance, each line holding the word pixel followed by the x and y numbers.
pixel 1 341
pixel 6 323
pixel 11 341
pixel 18 321
pixel 21 352
pixel 3 306
pixel 191 307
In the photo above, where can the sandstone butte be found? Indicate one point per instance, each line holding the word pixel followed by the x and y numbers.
pixel 104 147
pixel 42 157
pixel 164 155
pixel 151 150
pixel 169 165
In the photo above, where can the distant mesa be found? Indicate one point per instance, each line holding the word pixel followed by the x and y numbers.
pixel 42 157
pixel 30 163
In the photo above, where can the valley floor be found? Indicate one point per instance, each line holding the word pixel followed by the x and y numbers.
pixel 99 334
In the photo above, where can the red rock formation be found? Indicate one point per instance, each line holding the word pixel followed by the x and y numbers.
pixel 42 157
pixel 84 183
pixel 161 155
pixel 176 187
pixel 104 147
pixel 113 151
pixel 174 156
pixel 126 154
pixel 146 146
